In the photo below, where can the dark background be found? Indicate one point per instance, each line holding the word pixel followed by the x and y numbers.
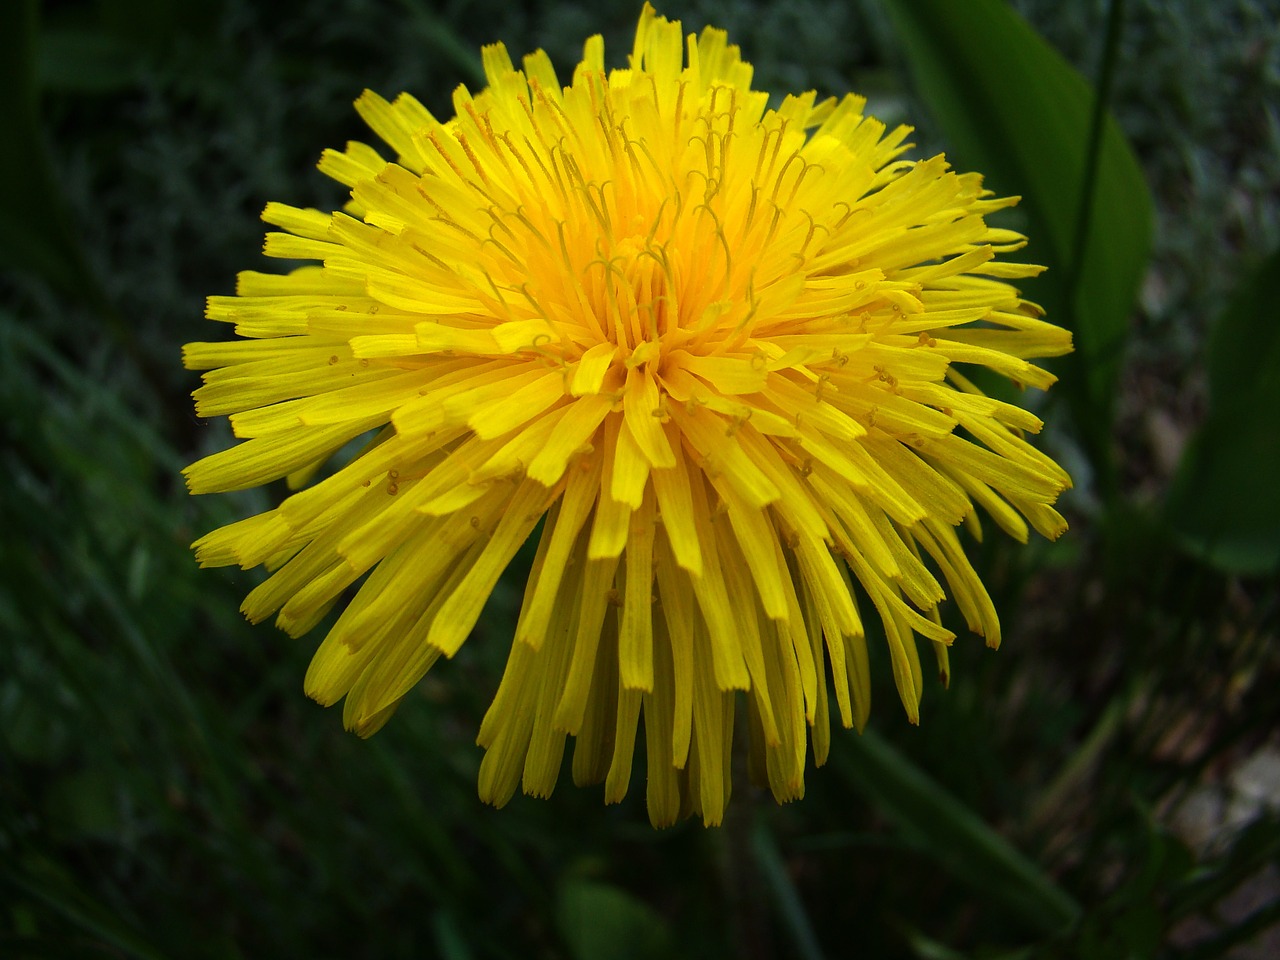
pixel 1104 786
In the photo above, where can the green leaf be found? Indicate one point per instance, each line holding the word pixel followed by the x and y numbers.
pixel 1015 110
pixel 1222 505
pixel 944 828
pixel 601 922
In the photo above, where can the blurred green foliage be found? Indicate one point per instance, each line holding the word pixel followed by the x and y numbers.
pixel 1013 108
pixel 166 790
pixel 1223 501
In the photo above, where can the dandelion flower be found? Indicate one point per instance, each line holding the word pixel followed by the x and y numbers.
pixel 721 352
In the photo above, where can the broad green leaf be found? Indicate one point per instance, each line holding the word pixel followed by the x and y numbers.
pixel 35 232
pixel 1015 110
pixel 601 922
pixel 944 828
pixel 1222 504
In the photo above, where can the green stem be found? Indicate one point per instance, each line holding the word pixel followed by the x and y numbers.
pixel 1094 425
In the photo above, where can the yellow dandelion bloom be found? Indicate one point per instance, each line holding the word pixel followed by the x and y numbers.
pixel 718 350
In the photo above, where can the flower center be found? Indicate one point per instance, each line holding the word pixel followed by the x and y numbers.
pixel 635 295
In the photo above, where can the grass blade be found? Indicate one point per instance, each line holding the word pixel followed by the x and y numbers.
pixel 784 893
pixel 953 834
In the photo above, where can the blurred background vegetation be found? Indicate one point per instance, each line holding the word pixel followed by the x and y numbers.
pixel 1106 786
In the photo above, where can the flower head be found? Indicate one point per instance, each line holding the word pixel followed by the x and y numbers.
pixel 718 350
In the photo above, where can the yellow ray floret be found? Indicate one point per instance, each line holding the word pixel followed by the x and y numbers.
pixel 720 352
